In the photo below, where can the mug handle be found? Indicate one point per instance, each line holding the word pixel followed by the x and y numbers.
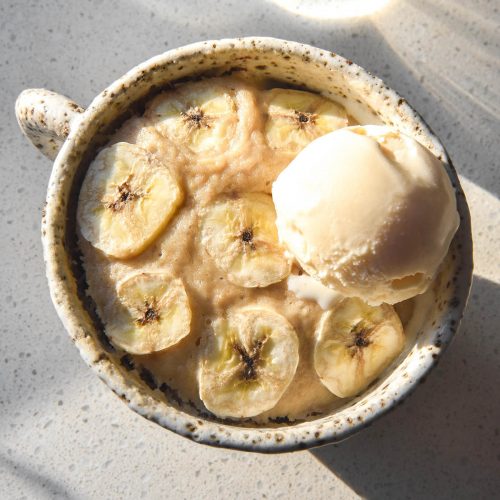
pixel 45 118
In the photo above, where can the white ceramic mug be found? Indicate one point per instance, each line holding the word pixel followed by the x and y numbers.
pixel 63 130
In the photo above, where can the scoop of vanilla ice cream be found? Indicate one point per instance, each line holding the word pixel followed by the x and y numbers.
pixel 368 211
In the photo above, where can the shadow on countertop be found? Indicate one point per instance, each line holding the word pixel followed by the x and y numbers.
pixel 41 485
pixel 444 442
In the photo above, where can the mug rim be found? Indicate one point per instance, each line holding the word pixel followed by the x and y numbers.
pixel 62 286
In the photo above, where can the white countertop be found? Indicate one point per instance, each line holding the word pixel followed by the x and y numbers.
pixel 63 434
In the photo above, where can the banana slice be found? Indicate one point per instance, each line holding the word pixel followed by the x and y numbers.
pixel 248 363
pixel 152 313
pixel 127 198
pixel 295 118
pixel 355 342
pixel 241 236
pixel 210 119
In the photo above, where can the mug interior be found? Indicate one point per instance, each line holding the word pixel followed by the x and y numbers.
pixel 368 100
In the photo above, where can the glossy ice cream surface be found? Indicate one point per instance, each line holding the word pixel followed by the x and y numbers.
pixel 368 211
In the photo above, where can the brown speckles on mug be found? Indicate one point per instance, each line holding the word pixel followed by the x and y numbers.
pixel 190 427
pixel 127 362
pixel 45 118
pixel 46 125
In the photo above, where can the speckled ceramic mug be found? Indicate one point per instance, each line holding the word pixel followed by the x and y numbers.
pixel 63 130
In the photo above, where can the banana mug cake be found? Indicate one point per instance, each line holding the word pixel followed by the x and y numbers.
pixel 257 252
